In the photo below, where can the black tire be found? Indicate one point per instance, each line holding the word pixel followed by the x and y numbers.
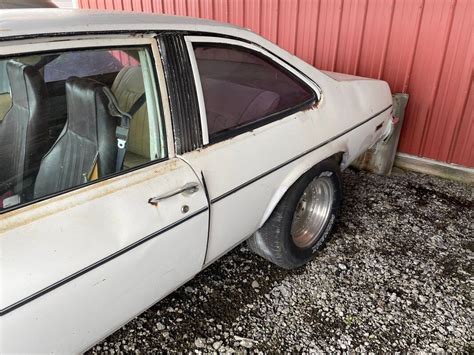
pixel 274 241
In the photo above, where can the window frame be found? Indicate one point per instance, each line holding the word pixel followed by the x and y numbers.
pixel 222 42
pixel 147 41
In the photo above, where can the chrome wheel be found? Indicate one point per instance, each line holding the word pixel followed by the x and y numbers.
pixel 312 212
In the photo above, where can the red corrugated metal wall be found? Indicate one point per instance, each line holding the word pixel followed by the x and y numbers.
pixel 422 47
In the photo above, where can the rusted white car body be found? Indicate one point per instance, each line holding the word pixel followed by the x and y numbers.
pixel 77 265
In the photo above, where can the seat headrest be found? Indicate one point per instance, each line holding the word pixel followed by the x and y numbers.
pixel 130 80
pixel 26 83
pixel 85 100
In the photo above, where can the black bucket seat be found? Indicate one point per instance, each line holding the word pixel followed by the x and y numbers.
pixel 87 147
pixel 24 129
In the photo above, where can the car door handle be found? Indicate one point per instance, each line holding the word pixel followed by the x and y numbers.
pixel 187 189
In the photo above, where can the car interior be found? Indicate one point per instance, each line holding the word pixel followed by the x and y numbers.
pixel 61 116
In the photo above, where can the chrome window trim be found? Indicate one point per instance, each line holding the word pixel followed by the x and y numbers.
pixel 200 94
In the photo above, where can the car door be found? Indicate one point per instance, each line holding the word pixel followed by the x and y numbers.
pixel 79 259
pixel 255 125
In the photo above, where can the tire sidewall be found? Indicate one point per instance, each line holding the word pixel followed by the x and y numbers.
pixel 329 169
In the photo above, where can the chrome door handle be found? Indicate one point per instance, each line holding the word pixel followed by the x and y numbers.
pixel 187 189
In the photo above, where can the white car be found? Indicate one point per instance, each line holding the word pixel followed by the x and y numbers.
pixel 136 149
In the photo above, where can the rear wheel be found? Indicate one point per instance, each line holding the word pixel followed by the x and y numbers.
pixel 304 218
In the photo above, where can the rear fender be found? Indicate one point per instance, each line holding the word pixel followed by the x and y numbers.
pixel 302 166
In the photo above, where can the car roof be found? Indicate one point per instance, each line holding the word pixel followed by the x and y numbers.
pixel 16 4
pixel 34 22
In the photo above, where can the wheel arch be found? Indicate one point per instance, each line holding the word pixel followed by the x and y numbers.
pixel 302 167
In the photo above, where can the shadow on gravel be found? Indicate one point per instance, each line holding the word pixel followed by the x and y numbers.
pixel 228 289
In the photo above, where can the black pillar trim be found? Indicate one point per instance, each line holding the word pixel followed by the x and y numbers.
pixel 182 92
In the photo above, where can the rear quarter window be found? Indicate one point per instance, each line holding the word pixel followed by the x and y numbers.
pixel 242 87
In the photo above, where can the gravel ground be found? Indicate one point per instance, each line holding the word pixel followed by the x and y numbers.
pixel 396 276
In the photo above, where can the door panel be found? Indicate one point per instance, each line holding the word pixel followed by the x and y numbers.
pixel 258 116
pixel 77 266
pixel 244 173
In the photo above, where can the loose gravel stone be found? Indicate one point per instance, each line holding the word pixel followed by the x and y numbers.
pixel 397 276
pixel 199 343
pixel 246 344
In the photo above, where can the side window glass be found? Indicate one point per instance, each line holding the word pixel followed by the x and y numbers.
pixel 241 87
pixel 82 64
pixel 72 117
